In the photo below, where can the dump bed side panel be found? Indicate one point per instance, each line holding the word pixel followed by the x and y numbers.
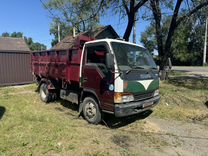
pixel 74 65
pixel 51 64
pixel 59 64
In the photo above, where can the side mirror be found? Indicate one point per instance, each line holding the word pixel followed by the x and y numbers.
pixel 110 61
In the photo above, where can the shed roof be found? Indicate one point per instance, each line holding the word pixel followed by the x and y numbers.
pixel 9 44
pixel 68 41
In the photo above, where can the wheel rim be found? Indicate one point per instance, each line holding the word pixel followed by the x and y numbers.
pixel 90 110
pixel 42 93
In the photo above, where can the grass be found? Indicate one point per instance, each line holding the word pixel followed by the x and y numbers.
pixel 183 97
pixel 30 127
pixel 181 103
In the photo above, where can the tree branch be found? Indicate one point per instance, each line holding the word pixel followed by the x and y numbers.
pixel 176 10
pixel 157 16
pixel 125 7
pixel 141 3
pixel 132 2
pixel 194 10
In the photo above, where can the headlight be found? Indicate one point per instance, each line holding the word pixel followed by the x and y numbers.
pixel 156 92
pixel 123 97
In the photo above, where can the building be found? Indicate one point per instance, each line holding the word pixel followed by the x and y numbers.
pixel 98 33
pixel 14 62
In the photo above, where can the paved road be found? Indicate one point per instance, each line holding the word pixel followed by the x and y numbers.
pixel 192 70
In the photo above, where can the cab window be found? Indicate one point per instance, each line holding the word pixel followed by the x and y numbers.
pixel 96 54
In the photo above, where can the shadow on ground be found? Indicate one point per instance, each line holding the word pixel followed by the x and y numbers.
pixel 113 122
pixel 206 104
pixel 2 111
pixel 191 81
pixel 108 120
pixel 68 105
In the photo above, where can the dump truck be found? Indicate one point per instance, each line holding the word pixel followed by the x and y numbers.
pixel 100 76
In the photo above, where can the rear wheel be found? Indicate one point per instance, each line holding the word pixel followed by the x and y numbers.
pixel 45 95
pixel 91 110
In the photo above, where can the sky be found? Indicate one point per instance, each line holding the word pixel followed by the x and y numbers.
pixel 30 17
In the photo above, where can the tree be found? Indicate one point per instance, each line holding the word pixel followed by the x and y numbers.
pixel 187 44
pixel 178 16
pixel 29 41
pixel 83 15
pixel 127 8
pixel 148 38
pixel 65 30
pixel 34 45
pixel 17 34
pixel 5 34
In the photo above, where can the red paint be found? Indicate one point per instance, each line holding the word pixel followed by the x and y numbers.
pixel 97 82
pixel 64 66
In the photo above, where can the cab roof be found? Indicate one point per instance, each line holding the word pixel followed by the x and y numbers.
pixel 113 40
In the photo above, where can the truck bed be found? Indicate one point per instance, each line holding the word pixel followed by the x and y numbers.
pixel 62 64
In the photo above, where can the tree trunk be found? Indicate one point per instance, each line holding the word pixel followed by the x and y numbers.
pixel 129 26
pixel 131 12
pixel 157 16
pixel 172 29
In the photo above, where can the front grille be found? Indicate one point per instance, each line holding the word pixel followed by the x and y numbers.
pixel 139 97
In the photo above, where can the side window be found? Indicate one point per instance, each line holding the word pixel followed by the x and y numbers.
pixel 96 54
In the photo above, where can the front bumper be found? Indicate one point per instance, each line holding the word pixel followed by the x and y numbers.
pixel 131 108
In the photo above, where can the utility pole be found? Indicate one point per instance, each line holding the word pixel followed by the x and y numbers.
pixel 74 32
pixel 134 29
pixel 134 36
pixel 205 44
pixel 59 37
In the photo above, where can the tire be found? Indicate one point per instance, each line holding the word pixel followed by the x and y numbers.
pixel 45 95
pixel 91 111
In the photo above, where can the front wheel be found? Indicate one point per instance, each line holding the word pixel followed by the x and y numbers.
pixel 91 110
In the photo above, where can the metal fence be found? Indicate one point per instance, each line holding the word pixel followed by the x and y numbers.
pixel 15 68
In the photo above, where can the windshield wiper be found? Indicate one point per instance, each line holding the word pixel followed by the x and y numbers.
pixel 134 67
pixel 153 68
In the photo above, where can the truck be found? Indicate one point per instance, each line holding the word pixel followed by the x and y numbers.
pixel 100 76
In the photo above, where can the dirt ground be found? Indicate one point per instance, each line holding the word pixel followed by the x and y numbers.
pixel 146 134
pixel 183 138
pixel 143 134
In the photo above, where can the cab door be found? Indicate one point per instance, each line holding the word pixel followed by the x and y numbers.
pixel 95 75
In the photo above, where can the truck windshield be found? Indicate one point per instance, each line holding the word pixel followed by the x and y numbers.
pixel 132 57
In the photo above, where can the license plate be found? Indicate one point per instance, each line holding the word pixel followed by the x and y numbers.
pixel 147 104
